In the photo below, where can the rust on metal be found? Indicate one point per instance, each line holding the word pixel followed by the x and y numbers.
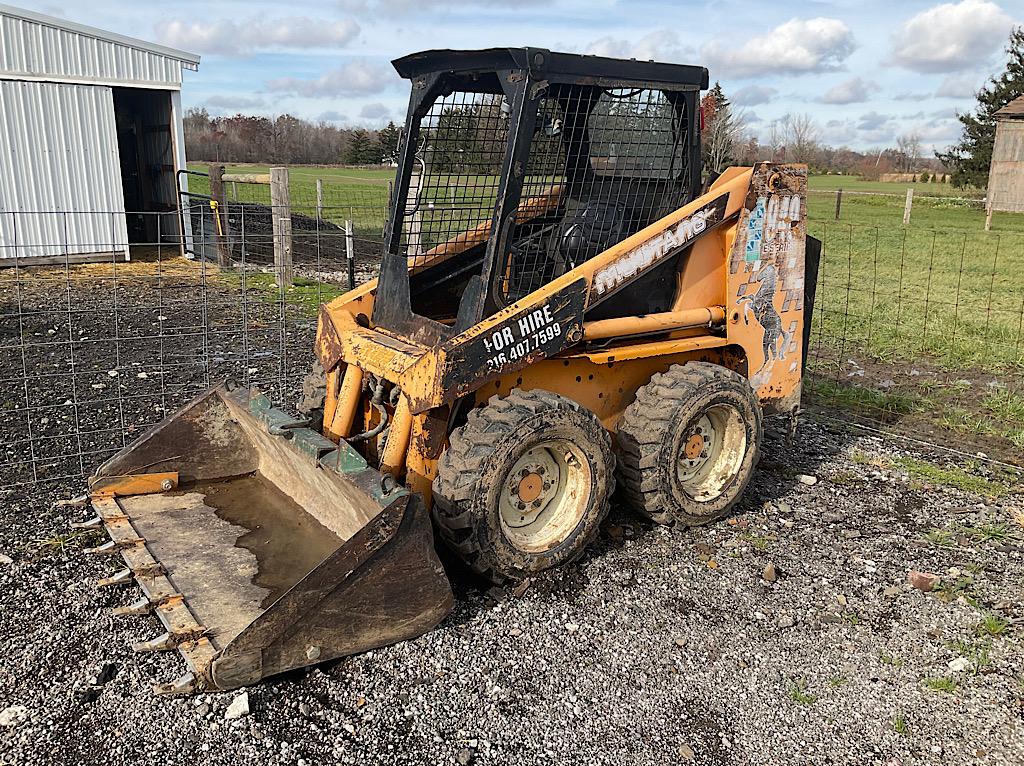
pixel 134 484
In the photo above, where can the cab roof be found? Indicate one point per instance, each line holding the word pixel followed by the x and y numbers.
pixel 543 63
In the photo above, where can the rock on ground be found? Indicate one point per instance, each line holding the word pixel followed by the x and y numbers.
pixel 671 660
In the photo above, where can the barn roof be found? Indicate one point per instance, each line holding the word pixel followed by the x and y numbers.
pixel 1012 111
pixel 34 46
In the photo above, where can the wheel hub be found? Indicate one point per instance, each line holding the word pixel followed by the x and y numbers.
pixel 711 453
pixel 530 487
pixel 696 448
pixel 532 483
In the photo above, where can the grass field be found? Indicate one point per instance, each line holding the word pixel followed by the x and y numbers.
pixel 941 294
pixel 941 287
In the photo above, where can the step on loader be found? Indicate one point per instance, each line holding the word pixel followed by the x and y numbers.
pixel 563 309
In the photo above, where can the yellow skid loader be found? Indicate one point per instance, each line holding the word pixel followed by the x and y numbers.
pixel 561 306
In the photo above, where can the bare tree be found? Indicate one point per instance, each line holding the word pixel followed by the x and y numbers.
pixel 800 133
pixel 776 144
pixel 908 150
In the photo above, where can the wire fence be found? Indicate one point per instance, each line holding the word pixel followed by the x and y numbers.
pixel 919 328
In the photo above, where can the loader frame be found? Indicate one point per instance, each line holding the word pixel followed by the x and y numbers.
pixel 525 76
pixel 746 312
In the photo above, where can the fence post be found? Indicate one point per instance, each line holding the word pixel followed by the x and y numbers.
pixel 839 201
pixel 319 198
pixel 908 205
pixel 988 213
pixel 281 215
pixel 219 205
pixel 350 255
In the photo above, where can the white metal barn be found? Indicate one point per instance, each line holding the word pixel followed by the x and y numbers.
pixel 91 139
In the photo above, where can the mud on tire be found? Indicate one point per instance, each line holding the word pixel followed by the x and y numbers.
pixel 667 444
pixel 484 494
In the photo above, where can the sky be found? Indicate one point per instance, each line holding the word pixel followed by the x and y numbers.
pixel 865 70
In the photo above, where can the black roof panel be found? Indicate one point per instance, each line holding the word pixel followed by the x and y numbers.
pixel 544 61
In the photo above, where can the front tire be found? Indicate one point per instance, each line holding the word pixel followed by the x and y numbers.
pixel 524 485
pixel 688 444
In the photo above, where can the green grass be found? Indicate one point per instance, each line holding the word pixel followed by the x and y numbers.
pixel 941 288
pixel 978 652
pixel 888 659
pixel 800 695
pixel 989 533
pixel 58 545
pixel 306 294
pixel 948 590
pixel 959 478
pixel 836 681
pixel 992 625
pixel 941 684
pixel 899 724
pixel 937 536
pixel 883 404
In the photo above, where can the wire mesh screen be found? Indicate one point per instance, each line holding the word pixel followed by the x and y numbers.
pixel 460 148
pixel 92 354
pixel 603 164
pixel 922 330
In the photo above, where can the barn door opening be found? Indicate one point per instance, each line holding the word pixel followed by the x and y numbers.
pixel 145 141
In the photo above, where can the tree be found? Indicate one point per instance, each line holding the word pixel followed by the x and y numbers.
pixel 363 148
pixel 969 159
pixel 721 131
pixel 908 149
pixel 800 135
pixel 388 137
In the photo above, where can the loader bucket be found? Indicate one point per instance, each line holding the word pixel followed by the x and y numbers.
pixel 261 545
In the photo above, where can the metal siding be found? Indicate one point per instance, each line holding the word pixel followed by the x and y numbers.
pixel 60 189
pixel 1006 174
pixel 33 49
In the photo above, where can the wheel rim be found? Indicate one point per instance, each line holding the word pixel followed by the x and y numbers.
pixel 711 452
pixel 544 496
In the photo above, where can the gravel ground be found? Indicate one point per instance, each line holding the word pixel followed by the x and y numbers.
pixel 660 646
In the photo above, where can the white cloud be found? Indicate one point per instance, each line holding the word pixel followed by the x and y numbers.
pixel 796 47
pixel 238 38
pixel 909 96
pixel 663 45
pixel 354 78
pixel 332 116
pixel 235 102
pixel 391 6
pixel 958 86
pixel 752 95
pixel 856 90
pixel 374 111
pixel 950 37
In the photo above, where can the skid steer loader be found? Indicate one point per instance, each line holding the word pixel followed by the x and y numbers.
pixel 560 307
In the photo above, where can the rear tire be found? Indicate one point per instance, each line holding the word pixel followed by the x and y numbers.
pixel 688 444
pixel 524 485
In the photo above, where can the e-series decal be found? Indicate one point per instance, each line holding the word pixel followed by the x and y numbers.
pixel 657 248
pixel 516 340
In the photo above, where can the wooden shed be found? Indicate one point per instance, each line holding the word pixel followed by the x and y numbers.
pixel 1006 173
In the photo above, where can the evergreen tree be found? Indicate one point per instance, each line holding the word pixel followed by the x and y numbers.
pixel 970 159
pixel 363 148
pixel 720 130
pixel 388 138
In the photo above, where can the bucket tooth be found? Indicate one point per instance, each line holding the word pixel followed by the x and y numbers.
pixel 136 609
pixel 107 548
pixel 113 546
pixel 163 642
pixel 118 578
pixel 94 523
pixel 185 684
